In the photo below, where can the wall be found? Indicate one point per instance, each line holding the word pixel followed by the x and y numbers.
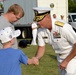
pixel 60 7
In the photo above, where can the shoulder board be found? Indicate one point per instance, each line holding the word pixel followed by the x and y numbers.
pixel 58 23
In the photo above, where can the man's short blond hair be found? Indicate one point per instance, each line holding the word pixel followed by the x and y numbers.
pixel 16 9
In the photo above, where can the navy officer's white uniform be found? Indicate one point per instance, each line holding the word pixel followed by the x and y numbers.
pixel 63 39
pixel 43 38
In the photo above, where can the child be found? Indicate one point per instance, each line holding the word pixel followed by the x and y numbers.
pixel 11 58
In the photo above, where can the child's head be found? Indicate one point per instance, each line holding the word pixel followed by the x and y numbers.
pixel 7 34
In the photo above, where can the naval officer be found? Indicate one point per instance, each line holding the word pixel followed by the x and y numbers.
pixel 63 40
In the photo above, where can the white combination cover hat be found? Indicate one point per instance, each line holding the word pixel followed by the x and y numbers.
pixel 41 12
pixel 42 9
pixel 8 34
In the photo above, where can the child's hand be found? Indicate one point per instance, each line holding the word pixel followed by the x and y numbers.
pixel 35 61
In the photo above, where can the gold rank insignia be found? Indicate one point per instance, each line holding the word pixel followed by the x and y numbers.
pixel 58 23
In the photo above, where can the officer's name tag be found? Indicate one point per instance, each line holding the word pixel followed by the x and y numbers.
pixel 45 37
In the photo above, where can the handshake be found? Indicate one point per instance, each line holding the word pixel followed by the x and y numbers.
pixel 34 61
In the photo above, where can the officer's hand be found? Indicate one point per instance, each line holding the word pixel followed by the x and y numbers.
pixel 35 61
pixel 63 65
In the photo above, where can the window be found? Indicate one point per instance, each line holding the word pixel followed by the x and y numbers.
pixel 74 18
pixel 69 19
